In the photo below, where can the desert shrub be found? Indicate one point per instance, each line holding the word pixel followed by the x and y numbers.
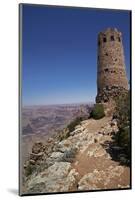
pixel 29 169
pixel 69 155
pixel 123 137
pixel 74 123
pixel 98 111
pixel 65 133
pixel 64 136
pixel 122 113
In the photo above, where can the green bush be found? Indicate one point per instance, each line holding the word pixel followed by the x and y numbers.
pixel 29 169
pixel 65 133
pixel 122 138
pixel 98 111
pixel 74 123
pixel 123 110
pixel 122 113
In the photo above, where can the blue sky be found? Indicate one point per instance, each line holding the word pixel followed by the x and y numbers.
pixel 59 52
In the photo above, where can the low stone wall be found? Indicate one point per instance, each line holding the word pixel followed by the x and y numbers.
pixel 107 97
pixel 109 93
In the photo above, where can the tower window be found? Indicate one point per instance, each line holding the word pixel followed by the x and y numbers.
pixel 98 43
pixel 104 39
pixel 106 70
pixel 106 54
pixel 119 39
pixel 112 38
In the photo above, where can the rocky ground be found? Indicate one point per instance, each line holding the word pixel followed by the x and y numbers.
pixel 82 161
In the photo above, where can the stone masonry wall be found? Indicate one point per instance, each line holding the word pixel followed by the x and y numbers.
pixel 111 71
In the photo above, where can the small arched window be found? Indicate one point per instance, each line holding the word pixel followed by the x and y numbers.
pixel 106 70
pixel 112 38
pixel 119 39
pixel 104 39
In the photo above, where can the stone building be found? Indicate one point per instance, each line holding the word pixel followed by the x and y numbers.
pixel 111 72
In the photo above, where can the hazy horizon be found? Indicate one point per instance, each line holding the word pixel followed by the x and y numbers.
pixel 58 104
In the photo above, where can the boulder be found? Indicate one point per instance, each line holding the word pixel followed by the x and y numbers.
pixel 50 140
pixel 32 162
pixel 64 145
pixel 96 150
pixel 38 147
pixel 59 177
pixel 100 179
pixel 113 122
pixel 56 156
pixel 100 152
pixel 88 182
pixel 36 156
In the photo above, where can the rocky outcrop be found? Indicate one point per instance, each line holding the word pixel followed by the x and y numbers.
pixel 38 147
pixel 96 151
pixel 110 128
pixel 101 179
pixel 108 96
pixel 110 93
pixel 58 177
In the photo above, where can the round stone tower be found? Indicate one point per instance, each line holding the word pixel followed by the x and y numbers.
pixel 111 72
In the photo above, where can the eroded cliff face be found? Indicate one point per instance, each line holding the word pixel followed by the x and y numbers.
pixel 83 161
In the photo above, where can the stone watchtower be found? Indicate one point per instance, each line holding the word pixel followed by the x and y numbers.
pixel 111 73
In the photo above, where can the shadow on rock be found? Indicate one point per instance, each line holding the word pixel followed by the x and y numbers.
pixel 117 153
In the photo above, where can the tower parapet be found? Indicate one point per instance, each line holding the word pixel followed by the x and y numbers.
pixel 111 72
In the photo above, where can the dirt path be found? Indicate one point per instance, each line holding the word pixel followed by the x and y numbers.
pixel 93 167
pixel 97 162
pixel 96 125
